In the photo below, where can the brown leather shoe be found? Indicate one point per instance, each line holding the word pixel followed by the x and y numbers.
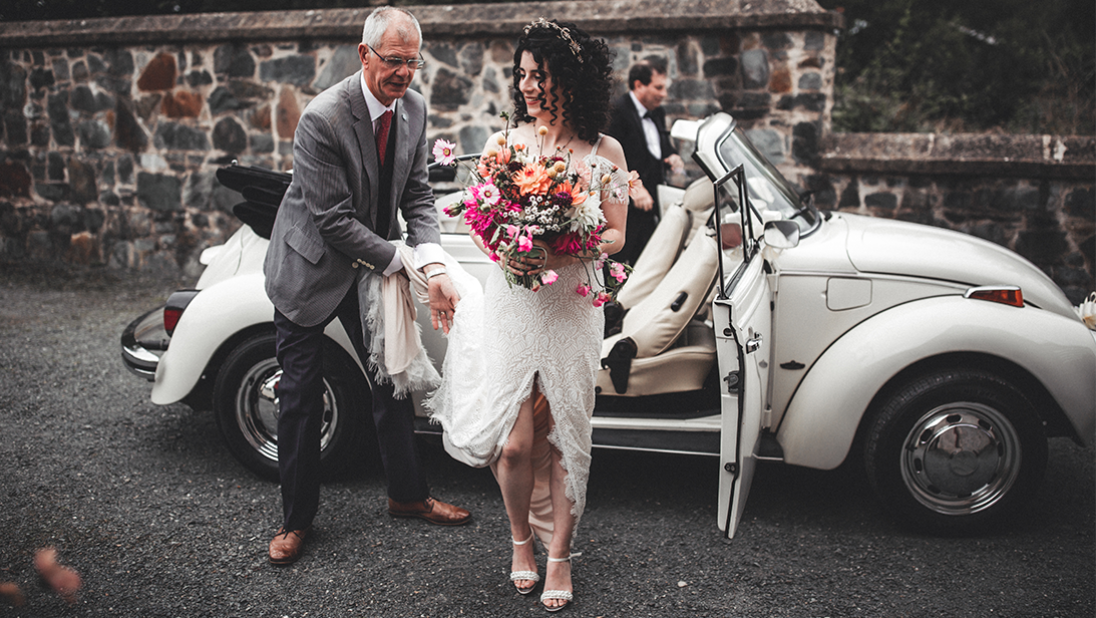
pixel 285 547
pixel 433 511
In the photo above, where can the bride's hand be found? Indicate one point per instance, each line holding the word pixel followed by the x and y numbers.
pixel 537 264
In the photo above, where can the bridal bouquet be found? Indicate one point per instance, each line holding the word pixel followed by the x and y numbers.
pixel 518 196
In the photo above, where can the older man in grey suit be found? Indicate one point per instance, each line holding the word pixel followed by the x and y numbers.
pixel 359 153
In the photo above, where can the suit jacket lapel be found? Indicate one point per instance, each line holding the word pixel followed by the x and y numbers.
pixel 367 142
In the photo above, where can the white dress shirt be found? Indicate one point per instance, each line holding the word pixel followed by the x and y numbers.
pixel 650 131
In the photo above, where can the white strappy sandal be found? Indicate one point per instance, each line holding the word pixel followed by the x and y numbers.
pixel 562 595
pixel 516 576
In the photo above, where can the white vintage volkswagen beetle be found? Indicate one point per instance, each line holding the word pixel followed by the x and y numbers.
pixel 771 331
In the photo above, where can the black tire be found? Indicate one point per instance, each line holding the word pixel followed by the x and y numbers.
pixel 246 408
pixel 956 451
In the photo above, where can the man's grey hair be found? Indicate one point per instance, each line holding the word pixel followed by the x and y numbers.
pixel 378 21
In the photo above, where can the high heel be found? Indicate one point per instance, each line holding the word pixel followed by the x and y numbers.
pixel 516 576
pixel 562 595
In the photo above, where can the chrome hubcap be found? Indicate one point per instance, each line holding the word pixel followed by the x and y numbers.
pixel 961 458
pixel 257 409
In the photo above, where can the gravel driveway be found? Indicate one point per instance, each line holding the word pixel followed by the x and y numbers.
pixel 157 517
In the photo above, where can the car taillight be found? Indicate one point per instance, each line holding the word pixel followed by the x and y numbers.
pixel 171 319
pixel 1006 295
pixel 174 308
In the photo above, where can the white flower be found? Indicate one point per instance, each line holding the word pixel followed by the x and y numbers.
pixel 587 215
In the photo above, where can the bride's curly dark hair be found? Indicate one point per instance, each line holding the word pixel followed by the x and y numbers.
pixel 579 64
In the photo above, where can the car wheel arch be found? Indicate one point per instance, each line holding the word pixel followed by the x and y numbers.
pixel 1050 413
pixel 200 398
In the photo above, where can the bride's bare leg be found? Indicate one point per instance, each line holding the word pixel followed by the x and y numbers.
pixel 514 471
pixel 558 574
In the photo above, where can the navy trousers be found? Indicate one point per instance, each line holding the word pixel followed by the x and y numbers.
pixel 300 395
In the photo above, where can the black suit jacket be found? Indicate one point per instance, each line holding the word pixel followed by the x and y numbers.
pixel 626 126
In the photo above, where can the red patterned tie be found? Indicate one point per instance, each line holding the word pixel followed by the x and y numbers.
pixel 383 124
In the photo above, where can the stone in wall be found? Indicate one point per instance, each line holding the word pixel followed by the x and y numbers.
pixel 158 74
pixel 229 136
pixel 344 61
pixel 15 180
pixel 296 70
pixel 174 136
pixel 181 104
pixel 234 60
pixel 289 114
pixel 159 192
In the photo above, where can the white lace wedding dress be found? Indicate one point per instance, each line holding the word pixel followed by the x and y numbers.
pixel 504 339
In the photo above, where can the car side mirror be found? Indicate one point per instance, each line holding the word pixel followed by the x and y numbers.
pixel 782 234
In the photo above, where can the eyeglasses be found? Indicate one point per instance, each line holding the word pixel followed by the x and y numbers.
pixel 396 63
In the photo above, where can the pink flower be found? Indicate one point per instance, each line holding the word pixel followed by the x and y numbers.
pixel 549 277
pixel 494 257
pixel 601 299
pixel 583 289
pixel 617 271
pixel 525 243
pixel 487 193
pixel 600 261
pixel 443 152
pixel 512 231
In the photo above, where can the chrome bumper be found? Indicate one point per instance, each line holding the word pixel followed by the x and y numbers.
pixel 141 340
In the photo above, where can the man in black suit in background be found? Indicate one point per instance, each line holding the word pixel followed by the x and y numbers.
pixel 639 124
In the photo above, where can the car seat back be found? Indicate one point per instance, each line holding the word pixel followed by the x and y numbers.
pixel 657 257
pixel 654 326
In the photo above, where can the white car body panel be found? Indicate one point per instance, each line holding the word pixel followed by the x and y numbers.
pixel 223 309
pixel 887 246
pixel 824 413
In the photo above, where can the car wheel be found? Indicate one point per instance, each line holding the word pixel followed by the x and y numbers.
pixel 956 450
pixel 245 403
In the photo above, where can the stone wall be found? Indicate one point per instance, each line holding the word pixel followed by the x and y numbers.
pixel 113 129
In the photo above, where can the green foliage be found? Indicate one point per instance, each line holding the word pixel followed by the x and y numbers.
pixel 980 65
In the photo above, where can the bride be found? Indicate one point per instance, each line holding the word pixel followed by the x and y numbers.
pixel 519 375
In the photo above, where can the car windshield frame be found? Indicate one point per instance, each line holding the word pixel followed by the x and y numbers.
pixel 762 176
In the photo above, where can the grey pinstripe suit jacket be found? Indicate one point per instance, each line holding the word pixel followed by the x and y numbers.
pixel 324 229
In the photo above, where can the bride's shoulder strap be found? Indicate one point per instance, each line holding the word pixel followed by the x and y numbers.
pixel 596 144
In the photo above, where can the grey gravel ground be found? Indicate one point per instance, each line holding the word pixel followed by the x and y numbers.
pixel 149 507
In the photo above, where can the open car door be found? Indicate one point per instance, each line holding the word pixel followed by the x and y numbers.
pixel 742 327
pixel 741 317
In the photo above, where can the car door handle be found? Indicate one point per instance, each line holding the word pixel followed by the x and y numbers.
pixel 752 345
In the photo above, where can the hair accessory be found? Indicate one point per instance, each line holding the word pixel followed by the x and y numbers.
pixel 564 33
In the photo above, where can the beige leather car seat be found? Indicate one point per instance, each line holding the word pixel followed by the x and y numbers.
pixel 657 257
pixel 660 349
pixel 699 199
pixel 675 230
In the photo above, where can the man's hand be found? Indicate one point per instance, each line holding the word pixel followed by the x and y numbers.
pixel 642 197
pixel 677 165
pixel 443 301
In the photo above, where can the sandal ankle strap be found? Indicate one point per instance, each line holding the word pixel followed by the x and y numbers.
pixel 526 541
